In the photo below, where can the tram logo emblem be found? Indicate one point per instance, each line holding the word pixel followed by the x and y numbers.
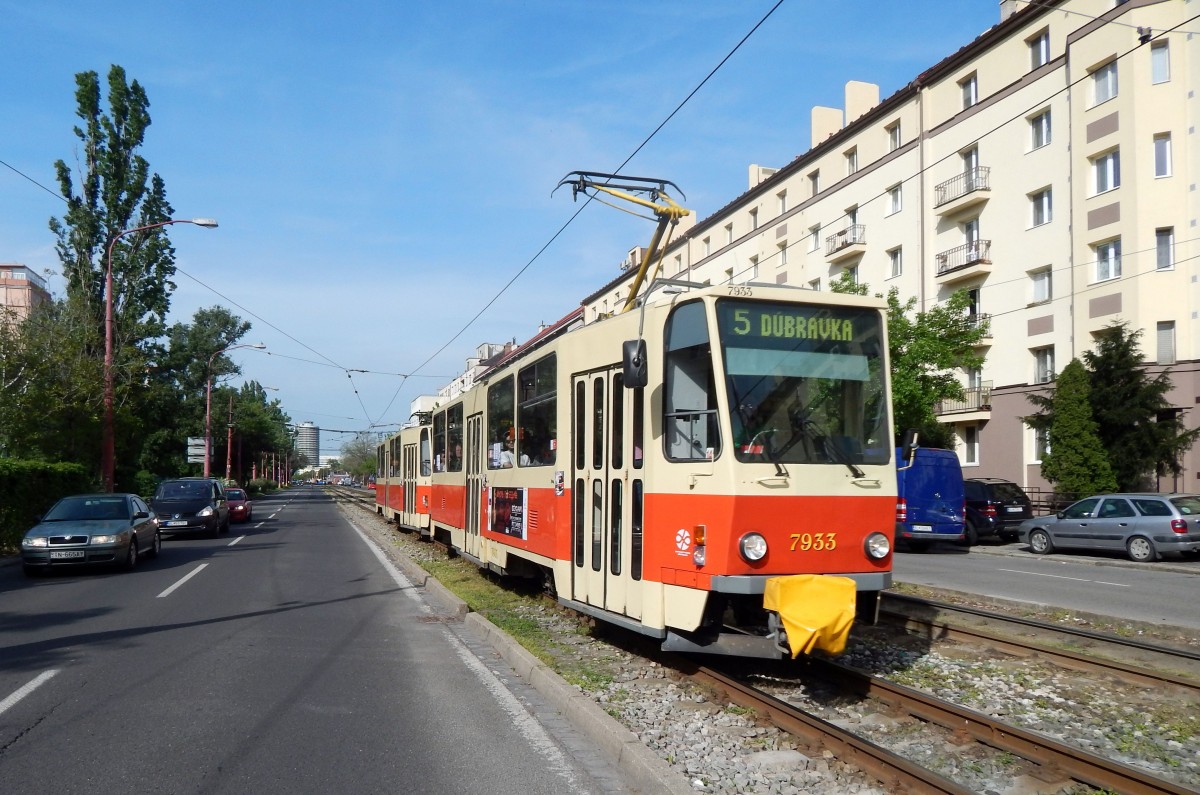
pixel 683 541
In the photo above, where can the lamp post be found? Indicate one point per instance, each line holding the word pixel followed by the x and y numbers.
pixel 208 402
pixel 108 453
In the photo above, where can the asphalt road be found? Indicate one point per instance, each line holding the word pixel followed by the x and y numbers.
pixel 1159 593
pixel 285 656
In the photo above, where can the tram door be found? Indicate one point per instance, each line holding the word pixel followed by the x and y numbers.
pixel 601 489
pixel 409 470
pixel 473 462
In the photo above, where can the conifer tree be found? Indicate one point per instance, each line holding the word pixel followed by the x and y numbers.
pixel 1076 462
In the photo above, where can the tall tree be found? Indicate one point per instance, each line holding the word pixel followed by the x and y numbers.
pixel 927 349
pixel 1075 462
pixel 110 191
pixel 359 455
pixel 1142 433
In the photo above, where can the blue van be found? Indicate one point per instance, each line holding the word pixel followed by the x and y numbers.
pixel 930 502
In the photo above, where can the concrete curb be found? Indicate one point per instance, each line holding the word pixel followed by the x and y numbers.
pixel 640 766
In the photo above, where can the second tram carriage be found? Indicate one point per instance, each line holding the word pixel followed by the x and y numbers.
pixel 714 470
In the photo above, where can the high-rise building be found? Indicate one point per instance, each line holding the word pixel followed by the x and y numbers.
pixel 20 289
pixel 1048 168
pixel 308 442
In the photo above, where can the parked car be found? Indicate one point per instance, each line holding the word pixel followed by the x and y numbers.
pixel 241 509
pixel 190 505
pixel 929 500
pixel 995 507
pixel 114 529
pixel 1143 526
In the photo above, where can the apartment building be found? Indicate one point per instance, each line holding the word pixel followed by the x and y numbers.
pixel 1049 168
pixel 21 289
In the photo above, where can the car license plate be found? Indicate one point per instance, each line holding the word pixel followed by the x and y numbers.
pixel 62 554
pixel 922 528
pixel 174 524
pixel 1015 509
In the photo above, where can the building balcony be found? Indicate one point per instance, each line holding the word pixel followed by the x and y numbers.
pixel 984 320
pixel 975 406
pixel 848 243
pixel 963 262
pixel 963 192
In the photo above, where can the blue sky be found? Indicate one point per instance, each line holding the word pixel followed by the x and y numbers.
pixel 380 170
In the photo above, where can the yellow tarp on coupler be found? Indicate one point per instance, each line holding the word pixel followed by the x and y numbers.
pixel 817 610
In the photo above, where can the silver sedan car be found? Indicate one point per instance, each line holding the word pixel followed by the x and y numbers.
pixel 1143 526
pixel 115 529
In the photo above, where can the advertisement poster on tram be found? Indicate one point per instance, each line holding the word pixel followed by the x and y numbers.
pixel 508 511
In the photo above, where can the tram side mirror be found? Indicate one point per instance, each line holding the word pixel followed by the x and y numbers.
pixel 633 360
pixel 908 447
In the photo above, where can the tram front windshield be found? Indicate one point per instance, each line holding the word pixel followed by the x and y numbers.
pixel 805 383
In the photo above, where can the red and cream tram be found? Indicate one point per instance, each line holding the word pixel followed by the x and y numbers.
pixel 714 470
pixel 402 485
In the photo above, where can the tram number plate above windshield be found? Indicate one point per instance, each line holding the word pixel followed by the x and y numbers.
pixel 813 542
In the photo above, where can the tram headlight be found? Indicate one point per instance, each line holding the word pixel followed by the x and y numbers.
pixel 878 546
pixel 753 547
pixel 699 556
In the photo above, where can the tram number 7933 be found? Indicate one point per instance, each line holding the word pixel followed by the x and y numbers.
pixel 813 542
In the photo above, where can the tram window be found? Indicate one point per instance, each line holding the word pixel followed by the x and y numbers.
pixel 426 464
pixel 635 531
pixel 690 396
pixel 618 422
pixel 614 540
pixel 597 522
pixel 439 442
pixel 454 438
pixel 597 423
pixel 578 523
pixel 537 413
pixel 639 417
pixel 502 438
pixel 580 427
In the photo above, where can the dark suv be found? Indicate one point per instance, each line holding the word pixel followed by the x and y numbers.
pixel 191 505
pixel 995 507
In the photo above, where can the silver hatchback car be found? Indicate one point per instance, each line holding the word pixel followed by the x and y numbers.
pixel 1143 526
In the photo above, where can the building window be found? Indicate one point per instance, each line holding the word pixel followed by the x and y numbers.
pixel 1164 247
pixel 851 160
pixel 1041 444
pixel 782 196
pixel 970 91
pixel 1039 50
pixel 815 284
pixel 970 161
pixel 1160 62
pixel 895 199
pixel 1043 365
pixel 896 259
pixel 1166 342
pixel 893 134
pixel 814 182
pixel 853 274
pixel 1104 83
pixel 1043 285
pixel 1039 130
pixel 1162 155
pixel 1108 260
pixel 678 263
pixel 1041 207
pixel 814 237
pixel 729 232
pixel 753 274
pixel 783 249
pixel 754 219
pixel 706 246
pixel 971 444
pixel 1107 171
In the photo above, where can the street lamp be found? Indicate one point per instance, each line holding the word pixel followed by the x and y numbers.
pixel 108 433
pixel 208 401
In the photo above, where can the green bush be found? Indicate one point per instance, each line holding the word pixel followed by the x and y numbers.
pixel 29 489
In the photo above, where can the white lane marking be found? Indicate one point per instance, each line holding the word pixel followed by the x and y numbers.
pixel 533 732
pixel 272 516
pixel 38 681
pixel 186 577
pixel 1060 577
pixel 234 541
